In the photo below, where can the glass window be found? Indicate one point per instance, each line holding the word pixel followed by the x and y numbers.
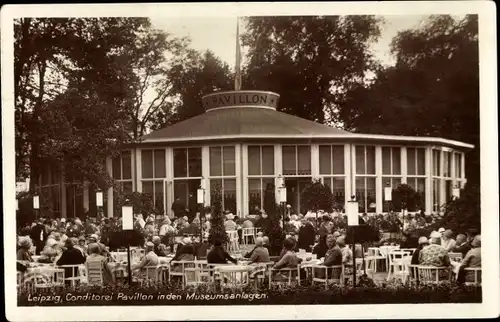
pixel 360 159
pixel 366 194
pixel 336 185
pixel 215 161
pixel 447 164
pixel 147 187
pixel 396 161
pixel 229 192
pixel 458 165
pixel 254 160
pixel 289 160
pixel 386 160
pixel 127 165
pixel 304 160
pixel 117 174
pixel 268 160
pixel 254 196
pixel 436 190
pixel 180 163
pixel 158 195
pixel 229 161
pixel 338 159
pixel 370 160
pixel 411 161
pixel 325 159
pixel 147 163
pixel 421 162
pixel 436 163
pixel 194 162
pixel 159 163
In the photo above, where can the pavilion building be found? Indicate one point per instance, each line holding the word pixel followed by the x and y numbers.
pixel 243 144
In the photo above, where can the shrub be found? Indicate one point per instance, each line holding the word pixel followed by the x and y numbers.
pixel 217 230
pixel 316 196
pixel 274 231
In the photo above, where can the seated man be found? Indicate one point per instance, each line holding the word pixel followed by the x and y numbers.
pixel 471 259
pixel 150 259
pixel 461 245
pixel 71 256
pixel 159 248
pixel 218 255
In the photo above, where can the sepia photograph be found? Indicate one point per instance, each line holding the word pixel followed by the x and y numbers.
pixel 246 160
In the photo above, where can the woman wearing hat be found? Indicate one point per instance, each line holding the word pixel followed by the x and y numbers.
pixel 23 253
pixel 229 224
pixel 185 252
pixel 447 241
pixel 150 259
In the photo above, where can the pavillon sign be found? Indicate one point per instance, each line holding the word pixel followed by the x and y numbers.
pixel 241 99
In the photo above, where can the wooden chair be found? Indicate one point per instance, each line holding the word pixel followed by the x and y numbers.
pixel 327 274
pixel 409 250
pixel 397 268
pixel 95 272
pixel 431 275
pixel 72 274
pixel 49 278
pixel 474 271
pixel 233 276
pixel 289 271
pixel 372 257
pixel 199 275
pixel 248 233
pixel 233 244
pixel 183 265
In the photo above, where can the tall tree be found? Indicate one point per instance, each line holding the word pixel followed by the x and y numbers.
pixel 193 75
pixel 311 61
pixel 433 89
pixel 71 88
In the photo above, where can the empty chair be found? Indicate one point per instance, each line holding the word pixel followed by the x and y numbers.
pixel 233 276
pixel 397 266
pixel 248 234
pixel 233 244
pixel 72 274
pixel 372 258
pixel 176 268
pixel 201 274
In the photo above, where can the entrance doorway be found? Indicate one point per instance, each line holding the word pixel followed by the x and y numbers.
pixel 294 187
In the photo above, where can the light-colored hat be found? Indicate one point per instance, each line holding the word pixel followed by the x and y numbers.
pixel 476 242
pixel 435 234
pixel 186 241
pixel 63 219
pixel 150 244
pixel 25 242
pixel 423 240
pixel 448 233
pixel 230 216
pixel 156 239
pixel 50 242
pixel 167 221
pixel 441 230
pixel 150 219
pixel 94 236
pixel 185 218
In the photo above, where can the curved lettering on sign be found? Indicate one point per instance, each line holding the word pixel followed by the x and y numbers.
pixel 240 99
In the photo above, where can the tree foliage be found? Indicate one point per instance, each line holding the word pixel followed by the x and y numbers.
pixel 217 230
pixel 433 89
pixel 465 212
pixel 142 203
pixel 311 61
pixel 316 196
pixel 274 230
pixel 405 197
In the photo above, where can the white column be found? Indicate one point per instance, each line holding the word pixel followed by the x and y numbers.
pixel 404 164
pixel 237 158
pixel 453 173
pixel 109 167
pixel 244 179
pixel 348 174
pixel 378 180
pixel 278 166
pixel 442 182
pixel 168 182
pixel 315 161
pixel 205 171
pixel 462 165
pixel 138 169
pixel 85 196
pixel 428 181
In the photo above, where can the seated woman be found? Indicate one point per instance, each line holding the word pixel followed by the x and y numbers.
pixel 218 255
pixel 50 252
pixel 70 256
pixel 260 254
pixel 320 249
pixel 288 259
pixel 472 259
pixel 23 253
pixel 185 252
pixel 94 255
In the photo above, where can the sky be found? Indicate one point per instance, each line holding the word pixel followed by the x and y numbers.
pixel 219 34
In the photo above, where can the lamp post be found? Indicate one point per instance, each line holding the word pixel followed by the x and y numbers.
pixel 201 202
pixel 456 192
pixel 352 222
pixel 282 198
pixel 99 203
pixel 128 226
pixel 36 204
